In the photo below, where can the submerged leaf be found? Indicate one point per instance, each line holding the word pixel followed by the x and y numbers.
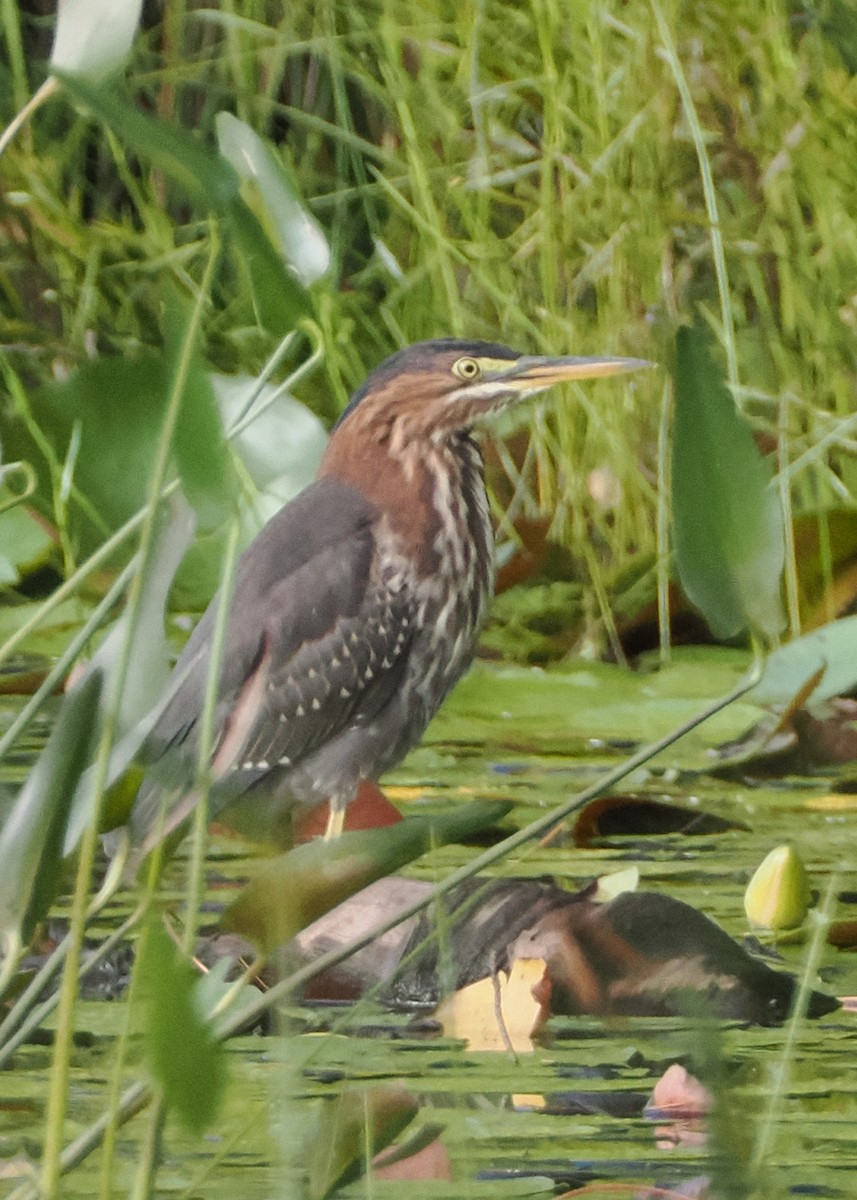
pixel 638 954
pixel 642 816
pixel 186 1059
pixel 729 542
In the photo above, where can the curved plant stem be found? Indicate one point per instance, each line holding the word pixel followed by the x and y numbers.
pixel 48 88
pixel 199 844
pixel 779 1081
pixel 58 1092
pixel 709 191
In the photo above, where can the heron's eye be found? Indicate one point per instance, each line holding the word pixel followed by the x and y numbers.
pixel 467 369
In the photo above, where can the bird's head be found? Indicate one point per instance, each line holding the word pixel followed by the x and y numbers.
pixel 432 389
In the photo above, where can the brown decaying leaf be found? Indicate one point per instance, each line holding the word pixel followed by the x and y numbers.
pixel 643 816
pixel 829 736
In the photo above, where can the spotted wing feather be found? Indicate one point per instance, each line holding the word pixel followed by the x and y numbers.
pixel 316 642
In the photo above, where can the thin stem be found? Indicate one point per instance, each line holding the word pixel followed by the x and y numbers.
pixel 709 191
pixel 780 1075
pixel 196 867
pixel 663 528
pixel 58 1092
pixel 48 88
pixel 792 594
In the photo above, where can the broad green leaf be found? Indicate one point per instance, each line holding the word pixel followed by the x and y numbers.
pixel 185 1057
pixel 831 649
pixel 299 235
pixel 31 839
pixel 202 455
pixel 116 440
pixel 288 892
pixel 281 448
pixel 94 37
pixel 212 184
pixel 280 451
pixel 727 524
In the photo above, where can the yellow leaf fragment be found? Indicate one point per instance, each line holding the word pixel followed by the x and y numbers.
pixel 502 1012
pixel 835 802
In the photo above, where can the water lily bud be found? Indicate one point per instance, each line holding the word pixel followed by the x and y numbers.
pixel 778 897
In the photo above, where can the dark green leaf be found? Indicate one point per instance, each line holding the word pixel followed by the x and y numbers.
pixel 212 184
pixel 288 892
pixel 30 841
pixel 728 528
pixel 186 1059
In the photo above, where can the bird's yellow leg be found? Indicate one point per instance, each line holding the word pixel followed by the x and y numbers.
pixel 336 820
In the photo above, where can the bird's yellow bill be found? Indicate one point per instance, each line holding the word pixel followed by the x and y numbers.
pixel 544 372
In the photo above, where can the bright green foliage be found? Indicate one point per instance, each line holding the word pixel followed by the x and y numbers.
pixel 728 528
pixel 289 892
pixel 185 1057
pixel 521 171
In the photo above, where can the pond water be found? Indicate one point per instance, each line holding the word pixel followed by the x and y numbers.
pixel 568 1114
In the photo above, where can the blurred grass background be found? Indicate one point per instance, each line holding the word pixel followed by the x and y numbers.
pixel 515 171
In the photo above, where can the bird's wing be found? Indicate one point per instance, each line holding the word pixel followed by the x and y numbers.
pixel 316 641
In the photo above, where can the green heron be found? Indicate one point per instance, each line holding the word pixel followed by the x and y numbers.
pixel 356 608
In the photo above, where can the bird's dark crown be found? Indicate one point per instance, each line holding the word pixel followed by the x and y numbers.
pixel 425 357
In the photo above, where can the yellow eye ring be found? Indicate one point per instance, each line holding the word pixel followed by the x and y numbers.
pixel 467 369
